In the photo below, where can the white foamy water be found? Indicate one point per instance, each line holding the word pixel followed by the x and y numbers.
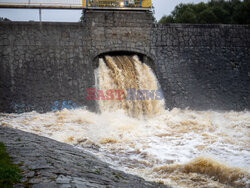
pixel 160 148
pixel 183 148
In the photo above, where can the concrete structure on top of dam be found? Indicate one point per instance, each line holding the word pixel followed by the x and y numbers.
pixel 49 66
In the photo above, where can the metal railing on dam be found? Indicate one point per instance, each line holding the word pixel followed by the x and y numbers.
pixel 77 4
pixel 74 4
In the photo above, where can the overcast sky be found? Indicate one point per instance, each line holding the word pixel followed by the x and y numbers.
pixel 162 7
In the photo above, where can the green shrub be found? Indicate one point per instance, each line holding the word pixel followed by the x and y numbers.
pixel 212 12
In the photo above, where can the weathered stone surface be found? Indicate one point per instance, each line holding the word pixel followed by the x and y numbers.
pixel 61 165
pixel 48 66
pixel 204 66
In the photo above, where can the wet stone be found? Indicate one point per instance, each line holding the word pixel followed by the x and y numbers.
pixel 30 174
pixel 63 179
pixel 35 180
pixel 45 185
pixel 61 165
pixel 64 186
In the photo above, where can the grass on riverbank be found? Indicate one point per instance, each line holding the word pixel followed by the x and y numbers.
pixel 9 173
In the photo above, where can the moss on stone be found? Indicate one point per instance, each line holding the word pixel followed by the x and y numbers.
pixel 9 173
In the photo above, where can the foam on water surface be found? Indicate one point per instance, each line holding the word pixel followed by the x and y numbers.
pixel 183 148
pixel 180 147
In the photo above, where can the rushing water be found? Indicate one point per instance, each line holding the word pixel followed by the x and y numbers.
pixel 127 72
pixel 183 148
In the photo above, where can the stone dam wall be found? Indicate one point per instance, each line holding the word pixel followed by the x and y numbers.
pixel 204 66
pixel 49 66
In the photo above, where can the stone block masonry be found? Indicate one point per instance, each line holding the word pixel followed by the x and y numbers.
pixel 204 66
pixel 44 67
pixel 49 66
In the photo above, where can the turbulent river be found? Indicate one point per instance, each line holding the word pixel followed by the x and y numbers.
pixel 182 148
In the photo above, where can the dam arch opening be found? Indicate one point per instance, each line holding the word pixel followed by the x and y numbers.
pixel 127 81
pixel 147 59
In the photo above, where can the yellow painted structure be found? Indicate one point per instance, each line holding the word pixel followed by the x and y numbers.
pixel 118 3
pixel 147 4
pixel 84 3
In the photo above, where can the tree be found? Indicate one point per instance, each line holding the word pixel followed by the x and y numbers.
pixel 241 14
pixel 198 8
pixel 222 15
pixel 207 16
pixel 214 11
pixel 187 16
pixel 166 19
pixel 4 19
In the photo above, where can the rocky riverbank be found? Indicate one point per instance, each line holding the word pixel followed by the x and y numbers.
pixel 47 163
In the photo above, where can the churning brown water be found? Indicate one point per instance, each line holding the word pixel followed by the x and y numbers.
pixel 183 148
pixel 128 72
